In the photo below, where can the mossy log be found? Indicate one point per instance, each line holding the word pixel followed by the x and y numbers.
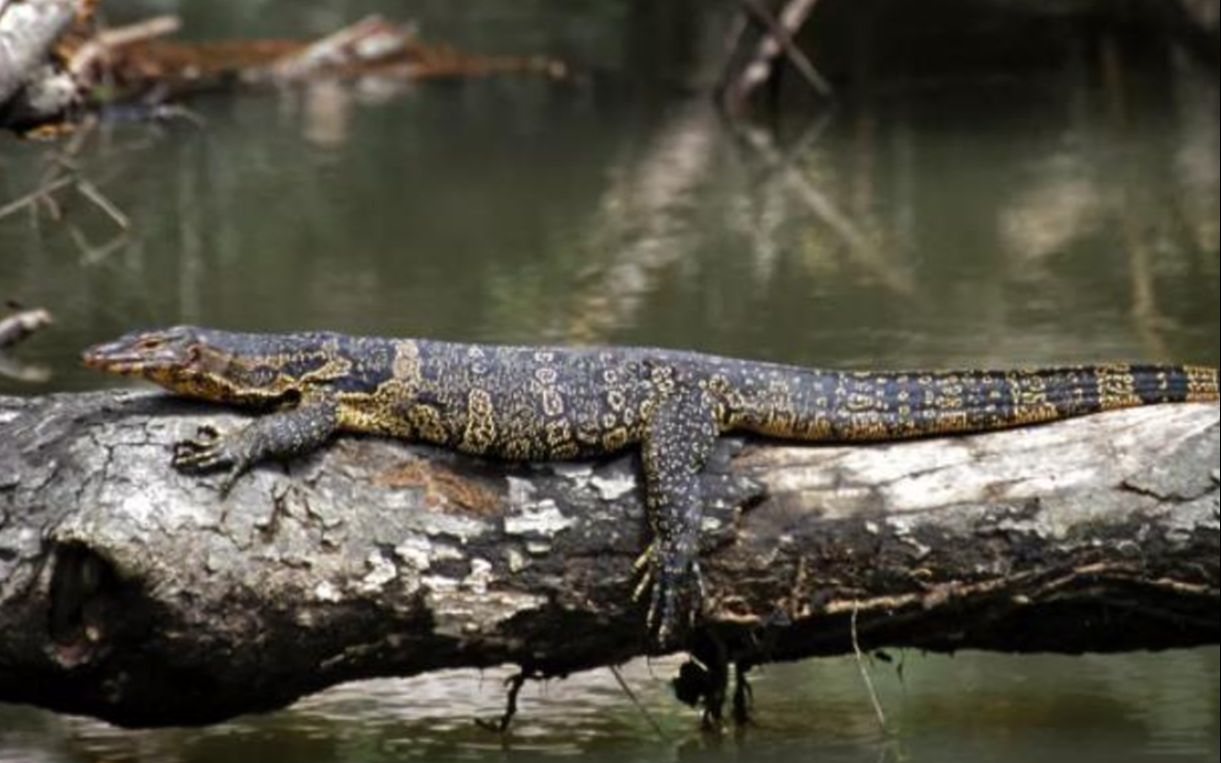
pixel 139 595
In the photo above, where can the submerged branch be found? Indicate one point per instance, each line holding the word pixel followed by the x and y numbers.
pixel 133 593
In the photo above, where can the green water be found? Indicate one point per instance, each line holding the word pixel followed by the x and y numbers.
pixel 1059 216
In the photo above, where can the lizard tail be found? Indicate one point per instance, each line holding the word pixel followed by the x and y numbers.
pixel 831 406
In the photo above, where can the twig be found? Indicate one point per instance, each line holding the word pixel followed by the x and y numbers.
pixel 52 180
pixel 741 81
pixel 373 32
pixel 91 192
pixel 631 695
pixel 816 200
pixel 175 111
pixel 860 664
pixel 35 195
pixel 791 51
pixel 515 682
pixel 90 254
pixel 110 39
pixel 53 209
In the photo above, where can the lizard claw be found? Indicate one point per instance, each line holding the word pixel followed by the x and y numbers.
pixel 208 451
pixel 669 590
pixel 644 567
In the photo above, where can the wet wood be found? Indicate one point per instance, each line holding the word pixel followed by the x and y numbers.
pixel 370 48
pixel 16 327
pixel 133 593
pixel 138 64
pixel 101 47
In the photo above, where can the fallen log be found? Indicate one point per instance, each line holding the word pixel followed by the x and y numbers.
pixel 139 595
pixel 54 62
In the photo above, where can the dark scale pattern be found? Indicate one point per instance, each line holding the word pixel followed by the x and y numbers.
pixel 550 403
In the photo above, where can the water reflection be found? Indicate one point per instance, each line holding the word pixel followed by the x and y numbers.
pixel 934 232
pixel 1130 707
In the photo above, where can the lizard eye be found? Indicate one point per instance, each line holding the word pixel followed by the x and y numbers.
pixel 151 343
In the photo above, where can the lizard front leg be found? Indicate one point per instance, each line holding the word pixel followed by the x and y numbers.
pixel 678 438
pixel 277 435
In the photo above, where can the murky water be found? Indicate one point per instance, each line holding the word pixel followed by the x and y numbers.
pixel 1070 215
pixel 972 707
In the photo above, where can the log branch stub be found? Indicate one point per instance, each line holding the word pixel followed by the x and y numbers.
pixel 27 32
pixel 136 594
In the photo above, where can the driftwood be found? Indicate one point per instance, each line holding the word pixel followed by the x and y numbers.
pixel 27 32
pixel 133 593
pixel 34 86
pixel 55 62
pixel 16 327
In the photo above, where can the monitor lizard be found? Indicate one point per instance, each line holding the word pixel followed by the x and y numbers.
pixel 523 403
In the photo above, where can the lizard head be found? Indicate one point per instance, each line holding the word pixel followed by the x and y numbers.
pixel 199 363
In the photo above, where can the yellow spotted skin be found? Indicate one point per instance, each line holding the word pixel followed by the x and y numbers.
pixel 550 403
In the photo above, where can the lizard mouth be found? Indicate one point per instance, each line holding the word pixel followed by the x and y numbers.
pixel 124 359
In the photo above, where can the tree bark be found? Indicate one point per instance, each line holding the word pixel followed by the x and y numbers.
pixel 139 595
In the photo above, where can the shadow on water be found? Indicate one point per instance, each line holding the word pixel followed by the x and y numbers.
pixel 1066 214
pixel 971 707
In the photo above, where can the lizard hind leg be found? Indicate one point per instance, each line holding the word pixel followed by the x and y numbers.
pixel 678 438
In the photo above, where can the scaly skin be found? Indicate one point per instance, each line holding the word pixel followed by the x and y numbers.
pixel 548 403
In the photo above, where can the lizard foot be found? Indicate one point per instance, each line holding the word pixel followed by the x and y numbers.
pixel 675 593
pixel 209 451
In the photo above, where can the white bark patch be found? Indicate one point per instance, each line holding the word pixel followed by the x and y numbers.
pixel 462 613
pixel 479 577
pixel 613 487
pixel 543 518
pixel 327 592
pixel 1013 465
pixel 436 524
pixel 415 552
pixel 439 584
pixel 516 560
pixel 520 490
pixel 574 472
pixel 381 572
pixel 536 517
pixel 138 508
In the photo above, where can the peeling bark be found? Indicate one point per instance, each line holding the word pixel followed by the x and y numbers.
pixel 133 593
